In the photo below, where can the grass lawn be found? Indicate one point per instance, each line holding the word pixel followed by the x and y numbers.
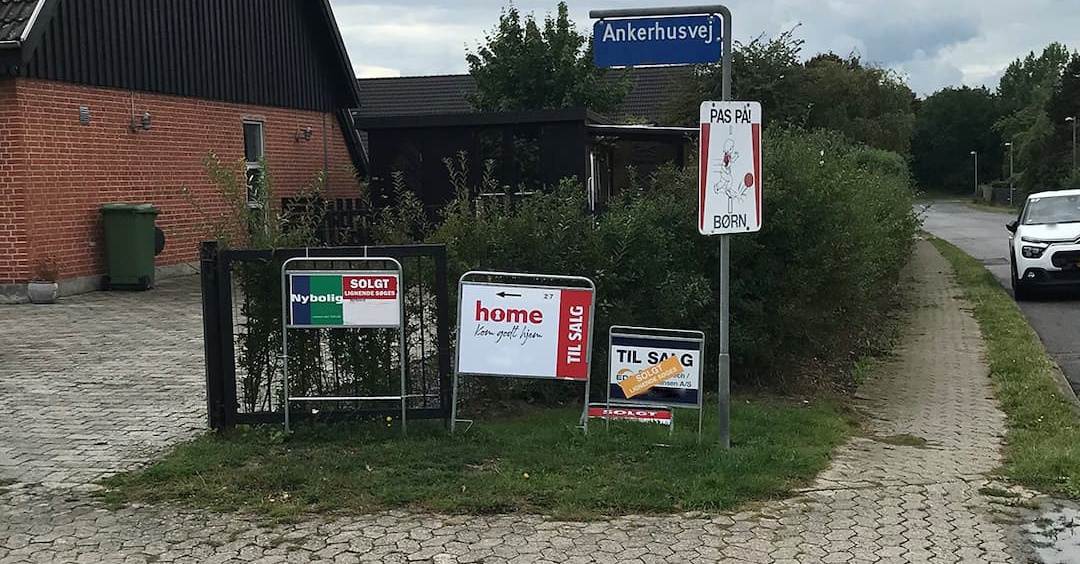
pixel 993 208
pixel 535 462
pixel 934 195
pixel 1044 430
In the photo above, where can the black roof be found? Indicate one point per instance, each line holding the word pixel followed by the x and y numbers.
pixel 479 119
pixel 651 88
pixel 14 17
pixel 415 95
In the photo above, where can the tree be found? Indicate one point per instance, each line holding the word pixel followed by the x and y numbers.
pixel 1024 92
pixel 766 70
pixel 949 125
pixel 866 103
pixel 521 66
pixel 1030 80
pixel 1064 103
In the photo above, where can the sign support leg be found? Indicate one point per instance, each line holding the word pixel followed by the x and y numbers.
pixel 453 403
pixel 585 410
pixel 723 391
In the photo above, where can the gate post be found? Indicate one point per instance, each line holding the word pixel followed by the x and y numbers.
pixel 229 404
pixel 442 331
pixel 208 274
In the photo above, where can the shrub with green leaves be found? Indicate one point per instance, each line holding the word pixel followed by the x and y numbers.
pixel 808 290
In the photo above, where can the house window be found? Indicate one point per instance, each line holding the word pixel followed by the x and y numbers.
pixel 253 154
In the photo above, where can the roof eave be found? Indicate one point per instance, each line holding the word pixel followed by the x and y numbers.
pixel 343 53
pixel 30 22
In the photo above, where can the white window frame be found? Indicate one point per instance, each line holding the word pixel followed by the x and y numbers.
pixel 253 202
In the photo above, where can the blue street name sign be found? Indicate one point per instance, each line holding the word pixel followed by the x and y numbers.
pixel 678 40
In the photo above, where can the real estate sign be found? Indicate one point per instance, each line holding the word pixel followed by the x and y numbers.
pixel 524 331
pixel 640 414
pixel 344 299
pixel 654 370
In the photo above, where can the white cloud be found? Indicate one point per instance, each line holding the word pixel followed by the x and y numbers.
pixel 366 71
pixel 935 43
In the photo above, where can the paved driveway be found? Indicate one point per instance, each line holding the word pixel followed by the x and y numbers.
pixel 116 377
pixel 1055 317
pixel 97 383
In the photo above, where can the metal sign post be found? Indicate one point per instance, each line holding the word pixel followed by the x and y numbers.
pixel 725 241
pixel 513 325
pixel 343 298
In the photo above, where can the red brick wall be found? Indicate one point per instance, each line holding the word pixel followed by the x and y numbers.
pixel 13 250
pixel 64 171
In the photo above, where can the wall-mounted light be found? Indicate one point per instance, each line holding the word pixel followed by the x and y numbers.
pixel 143 123
pixel 304 134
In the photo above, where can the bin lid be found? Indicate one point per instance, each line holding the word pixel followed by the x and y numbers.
pixel 129 208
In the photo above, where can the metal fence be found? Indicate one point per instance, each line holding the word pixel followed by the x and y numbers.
pixel 345 221
pixel 242 307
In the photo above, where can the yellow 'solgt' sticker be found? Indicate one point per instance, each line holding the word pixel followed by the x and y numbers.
pixel 651 376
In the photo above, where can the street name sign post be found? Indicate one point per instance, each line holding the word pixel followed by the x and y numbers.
pixel 660 45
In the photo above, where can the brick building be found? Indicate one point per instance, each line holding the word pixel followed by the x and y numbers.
pixel 120 100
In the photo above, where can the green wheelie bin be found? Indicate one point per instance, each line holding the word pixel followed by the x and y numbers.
pixel 129 246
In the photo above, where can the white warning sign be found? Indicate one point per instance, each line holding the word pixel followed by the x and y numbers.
pixel 730 168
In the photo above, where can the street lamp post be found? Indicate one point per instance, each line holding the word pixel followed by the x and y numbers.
pixel 1009 146
pixel 1073 120
pixel 976 155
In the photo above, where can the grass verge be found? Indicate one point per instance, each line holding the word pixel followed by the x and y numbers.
pixel 1008 210
pixel 1043 444
pixel 537 462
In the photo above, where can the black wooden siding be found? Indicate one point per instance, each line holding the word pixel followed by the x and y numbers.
pixel 265 52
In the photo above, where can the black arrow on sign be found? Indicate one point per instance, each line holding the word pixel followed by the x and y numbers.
pixel 506 295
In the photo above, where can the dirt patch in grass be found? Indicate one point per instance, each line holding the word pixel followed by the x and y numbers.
pixel 900 440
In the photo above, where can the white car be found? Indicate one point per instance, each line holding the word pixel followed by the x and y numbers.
pixel 1044 246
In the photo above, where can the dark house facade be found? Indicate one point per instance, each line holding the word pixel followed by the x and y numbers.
pixel 413 124
pixel 120 100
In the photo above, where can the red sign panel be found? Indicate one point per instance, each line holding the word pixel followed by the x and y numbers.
pixel 645 415
pixel 575 307
pixel 369 287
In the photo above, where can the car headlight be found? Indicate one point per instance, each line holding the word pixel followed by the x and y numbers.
pixel 1032 252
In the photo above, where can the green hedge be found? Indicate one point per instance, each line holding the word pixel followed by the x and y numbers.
pixel 807 290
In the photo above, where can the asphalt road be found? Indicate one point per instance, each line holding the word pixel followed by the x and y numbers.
pixel 1055 317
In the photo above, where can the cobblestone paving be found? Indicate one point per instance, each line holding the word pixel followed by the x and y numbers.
pixel 878 502
pixel 99 382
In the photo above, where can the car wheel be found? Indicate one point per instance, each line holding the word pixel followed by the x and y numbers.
pixel 1022 291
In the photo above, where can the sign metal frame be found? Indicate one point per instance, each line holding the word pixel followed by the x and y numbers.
pixel 501 279
pixel 285 327
pixel 657 334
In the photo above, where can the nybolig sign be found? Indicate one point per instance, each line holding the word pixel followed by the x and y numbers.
pixel 344 299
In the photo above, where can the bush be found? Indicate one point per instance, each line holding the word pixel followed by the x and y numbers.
pixel 807 291
pixel 839 227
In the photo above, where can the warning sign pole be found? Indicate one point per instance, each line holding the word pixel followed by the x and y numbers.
pixel 629 58
pixel 724 390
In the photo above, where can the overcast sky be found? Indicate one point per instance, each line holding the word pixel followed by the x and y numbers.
pixel 934 43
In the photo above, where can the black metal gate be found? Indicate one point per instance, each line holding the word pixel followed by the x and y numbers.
pixel 255 397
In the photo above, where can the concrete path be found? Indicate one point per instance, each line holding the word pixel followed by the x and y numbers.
pixel 876 503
